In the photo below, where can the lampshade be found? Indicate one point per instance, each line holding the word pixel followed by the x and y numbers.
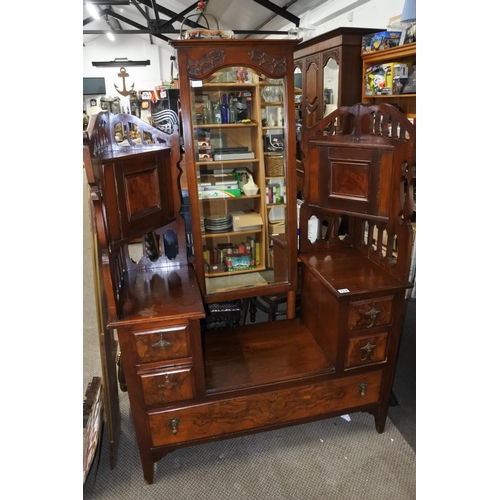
pixel 409 13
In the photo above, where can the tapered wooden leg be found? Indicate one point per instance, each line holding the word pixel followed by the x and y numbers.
pixel 380 416
pixel 148 470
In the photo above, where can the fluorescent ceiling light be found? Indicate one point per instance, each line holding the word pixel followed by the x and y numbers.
pixel 110 36
pixel 94 12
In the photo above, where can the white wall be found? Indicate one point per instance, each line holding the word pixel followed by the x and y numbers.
pixel 134 48
pixel 322 16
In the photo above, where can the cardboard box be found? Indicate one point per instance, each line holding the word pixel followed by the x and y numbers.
pixel 218 193
pixel 276 227
pixel 379 78
pixel 380 41
pixel 246 221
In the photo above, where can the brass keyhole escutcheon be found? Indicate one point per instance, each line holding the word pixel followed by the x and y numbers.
pixel 174 424
pixel 362 389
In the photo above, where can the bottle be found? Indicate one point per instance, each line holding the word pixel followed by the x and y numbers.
pixel 207 115
pixel 217 112
pixel 224 110
pixel 233 114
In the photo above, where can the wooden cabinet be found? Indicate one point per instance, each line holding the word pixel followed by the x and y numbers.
pixel 328 72
pixel 189 386
pixel 406 54
pixel 238 99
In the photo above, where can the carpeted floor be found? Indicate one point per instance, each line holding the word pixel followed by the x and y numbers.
pixel 332 458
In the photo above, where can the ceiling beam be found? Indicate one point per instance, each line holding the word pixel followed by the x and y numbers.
pixel 107 2
pixel 278 10
pixel 132 23
pixel 179 17
pixel 146 31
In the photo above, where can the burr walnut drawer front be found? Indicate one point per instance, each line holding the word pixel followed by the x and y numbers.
pixel 262 410
pixel 366 350
pixel 165 385
pixel 369 313
pixel 162 344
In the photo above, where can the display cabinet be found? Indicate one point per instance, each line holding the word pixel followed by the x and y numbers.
pixel 327 75
pixel 406 100
pixel 239 138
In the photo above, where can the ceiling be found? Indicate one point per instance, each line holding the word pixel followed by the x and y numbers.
pixel 160 20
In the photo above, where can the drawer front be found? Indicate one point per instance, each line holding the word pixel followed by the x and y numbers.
pixel 364 314
pixel 366 350
pixel 167 385
pixel 162 345
pixel 265 409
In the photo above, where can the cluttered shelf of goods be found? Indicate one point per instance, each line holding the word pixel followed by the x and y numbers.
pixel 390 76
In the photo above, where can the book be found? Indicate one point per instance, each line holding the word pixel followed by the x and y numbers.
pixel 234 156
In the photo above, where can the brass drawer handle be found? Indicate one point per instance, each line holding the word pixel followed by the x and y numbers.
pixel 362 389
pixel 372 314
pixel 368 348
pixel 174 423
pixel 167 384
pixel 162 343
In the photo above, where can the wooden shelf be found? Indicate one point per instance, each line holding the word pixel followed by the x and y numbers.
pixel 403 54
pixel 230 233
pixel 231 273
pixel 408 50
pixel 260 354
pixel 398 96
pixel 224 125
pixel 228 162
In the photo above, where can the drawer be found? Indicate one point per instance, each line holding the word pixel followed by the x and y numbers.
pixel 167 384
pixel 265 409
pixel 162 344
pixel 366 350
pixel 364 314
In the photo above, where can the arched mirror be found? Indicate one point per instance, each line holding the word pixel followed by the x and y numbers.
pixel 330 86
pixel 297 80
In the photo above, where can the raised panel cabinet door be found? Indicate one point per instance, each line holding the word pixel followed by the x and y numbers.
pixel 138 194
pixel 356 179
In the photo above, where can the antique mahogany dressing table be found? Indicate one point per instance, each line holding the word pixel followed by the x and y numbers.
pixel 188 387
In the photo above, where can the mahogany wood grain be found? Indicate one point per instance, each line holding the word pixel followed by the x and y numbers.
pixel 261 354
pixel 167 343
pixel 160 293
pixel 346 269
pixel 366 350
pixel 260 410
pixel 174 383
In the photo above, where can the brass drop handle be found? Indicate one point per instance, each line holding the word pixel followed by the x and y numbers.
pixel 174 423
pixel 362 389
pixel 368 348
pixel 372 314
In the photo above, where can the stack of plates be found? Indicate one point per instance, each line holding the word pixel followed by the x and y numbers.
pixel 202 225
pixel 218 223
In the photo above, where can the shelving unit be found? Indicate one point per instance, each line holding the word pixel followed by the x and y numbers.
pixel 407 103
pixel 261 95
